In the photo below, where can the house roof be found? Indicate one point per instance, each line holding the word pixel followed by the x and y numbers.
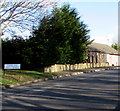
pixel 102 48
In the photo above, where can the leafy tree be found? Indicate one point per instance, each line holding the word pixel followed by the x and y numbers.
pixel 16 51
pixel 63 36
pixel 19 15
pixel 116 46
pixel 60 38
pixel 11 51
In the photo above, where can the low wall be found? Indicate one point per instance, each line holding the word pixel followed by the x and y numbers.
pixel 65 67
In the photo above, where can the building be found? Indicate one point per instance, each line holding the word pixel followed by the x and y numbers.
pixel 99 53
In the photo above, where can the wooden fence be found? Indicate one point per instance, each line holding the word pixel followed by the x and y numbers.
pixel 65 67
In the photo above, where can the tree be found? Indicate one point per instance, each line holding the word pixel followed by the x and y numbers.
pixel 17 51
pixel 63 36
pixel 22 13
pixel 116 47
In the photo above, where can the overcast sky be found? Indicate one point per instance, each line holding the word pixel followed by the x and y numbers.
pixel 101 18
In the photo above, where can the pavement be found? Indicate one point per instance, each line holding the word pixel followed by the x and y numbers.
pixel 93 91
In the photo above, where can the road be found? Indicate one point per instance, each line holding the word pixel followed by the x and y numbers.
pixel 90 92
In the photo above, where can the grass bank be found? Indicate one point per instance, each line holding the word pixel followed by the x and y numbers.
pixel 19 76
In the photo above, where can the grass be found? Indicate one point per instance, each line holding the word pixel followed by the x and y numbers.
pixel 19 76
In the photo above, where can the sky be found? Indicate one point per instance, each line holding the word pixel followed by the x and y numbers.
pixel 100 17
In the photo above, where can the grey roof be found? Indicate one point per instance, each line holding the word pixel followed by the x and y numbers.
pixel 102 48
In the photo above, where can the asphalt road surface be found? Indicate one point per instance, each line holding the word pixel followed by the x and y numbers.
pixel 91 92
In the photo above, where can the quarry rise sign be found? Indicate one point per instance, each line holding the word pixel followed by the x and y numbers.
pixel 12 66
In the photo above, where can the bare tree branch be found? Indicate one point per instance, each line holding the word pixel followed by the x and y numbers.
pixel 22 13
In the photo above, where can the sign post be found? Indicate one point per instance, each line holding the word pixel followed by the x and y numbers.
pixel 11 66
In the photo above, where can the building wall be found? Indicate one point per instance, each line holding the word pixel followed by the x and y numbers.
pixel 97 57
pixel 113 59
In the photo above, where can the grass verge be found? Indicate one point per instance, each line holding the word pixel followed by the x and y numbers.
pixel 19 76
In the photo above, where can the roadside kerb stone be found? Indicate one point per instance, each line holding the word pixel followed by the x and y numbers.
pixel 25 83
pixel 18 84
pixel 67 75
pixel 92 70
pixel 35 81
pixel 11 86
pixel 40 80
pixel 97 70
pixel 60 76
pixel 46 79
pixel 28 82
pixel 74 74
pixel 53 77
pixel 80 73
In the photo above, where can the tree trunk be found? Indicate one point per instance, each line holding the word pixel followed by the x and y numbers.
pixel 0 50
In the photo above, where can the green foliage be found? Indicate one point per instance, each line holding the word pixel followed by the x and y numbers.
pixel 63 36
pixel 60 38
pixel 116 46
pixel 17 51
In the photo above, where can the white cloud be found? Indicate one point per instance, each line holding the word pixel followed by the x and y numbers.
pixel 106 39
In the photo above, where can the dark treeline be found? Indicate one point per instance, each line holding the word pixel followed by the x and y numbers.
pixel 61 37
